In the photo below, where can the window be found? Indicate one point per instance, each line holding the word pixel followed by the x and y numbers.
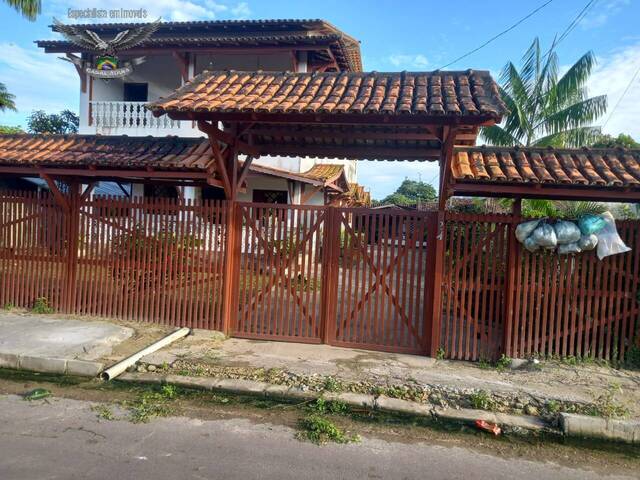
pixel 270 196
pixel 212 193
pixel 136 92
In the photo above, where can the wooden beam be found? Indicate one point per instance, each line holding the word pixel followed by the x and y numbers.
pixel 222 136
pixel 244 50
pixel 447 158
pixel 333 119
pixel 502 190
pixel 87 191
pixel 349 135
pixel 361 153
pixel 245 170
pixel 57 194
pixel 85 172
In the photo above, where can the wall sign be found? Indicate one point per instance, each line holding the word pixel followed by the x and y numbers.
pixel 106 64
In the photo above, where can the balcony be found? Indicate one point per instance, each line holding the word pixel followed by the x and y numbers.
pixel 131 118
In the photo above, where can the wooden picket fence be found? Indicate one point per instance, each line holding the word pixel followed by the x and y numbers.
pixel 399 281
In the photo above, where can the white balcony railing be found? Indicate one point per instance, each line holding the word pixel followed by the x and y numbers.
pixel 110 117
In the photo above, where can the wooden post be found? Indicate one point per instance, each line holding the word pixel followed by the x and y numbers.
pixel 512 271
pixel 433 282
pixel 330 259
pixel 73 232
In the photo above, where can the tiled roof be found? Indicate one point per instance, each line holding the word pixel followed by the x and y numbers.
pixel 437 94
pixel 232 33
pixel 578 167
pixel 325 172
pixel 98 151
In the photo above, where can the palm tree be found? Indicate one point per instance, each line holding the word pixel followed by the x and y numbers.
pixel 546 110
pixel 6 99
pixel 28 8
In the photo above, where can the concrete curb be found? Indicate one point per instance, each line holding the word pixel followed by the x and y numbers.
pixel 627 431
pixel 382 403
pixel 62 366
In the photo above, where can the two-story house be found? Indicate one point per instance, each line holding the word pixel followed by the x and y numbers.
pixel 174 54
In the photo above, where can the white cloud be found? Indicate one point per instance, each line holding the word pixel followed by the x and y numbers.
pixel 408 61
pixel 611 77
pixel 174 10
pixel 39 81
pixel 598 16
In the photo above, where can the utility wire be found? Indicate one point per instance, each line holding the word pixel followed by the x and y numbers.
pixel 621 97
pixel 574 23
pixel 495 37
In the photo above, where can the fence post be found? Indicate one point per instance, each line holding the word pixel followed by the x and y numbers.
pixel 512 268
pixel 230 284
pixel 433 281
pixel 73 232
pixel 330 244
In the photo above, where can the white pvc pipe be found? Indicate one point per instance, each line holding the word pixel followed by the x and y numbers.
pixel 115 370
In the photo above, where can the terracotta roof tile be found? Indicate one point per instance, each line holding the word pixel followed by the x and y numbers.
pixel 580 167
pixel 93 150
pixel 457 94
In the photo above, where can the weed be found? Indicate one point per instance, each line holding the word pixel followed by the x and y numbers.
pixel 9 306
pixel 607 406
pixel 103 411
pixel 331 384
pixel 553 406
pixel 41 306
pixel 481 400
pixel 484 364
pixel 503 363
pixel 323 406
pixel 151 404
pixel 440 354
pixel 320 430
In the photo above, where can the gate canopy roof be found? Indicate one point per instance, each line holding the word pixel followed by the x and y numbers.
pixel 359 115
pixel 130 158
pixel 611 174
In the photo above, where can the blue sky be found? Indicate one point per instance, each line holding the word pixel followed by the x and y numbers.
pixel 395 35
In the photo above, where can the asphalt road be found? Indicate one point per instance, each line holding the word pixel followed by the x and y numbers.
pixel 64 439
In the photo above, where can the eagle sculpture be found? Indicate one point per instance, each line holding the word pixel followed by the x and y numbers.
pixel 90 40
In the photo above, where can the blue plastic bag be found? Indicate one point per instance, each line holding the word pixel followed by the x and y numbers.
pixel 589 224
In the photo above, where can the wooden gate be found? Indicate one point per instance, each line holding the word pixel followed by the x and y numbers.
pixel 380 283
pixel 280 256
pixel 473 285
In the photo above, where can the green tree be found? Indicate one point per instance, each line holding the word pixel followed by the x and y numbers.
pixel 6 129
pixel 28 8
pixel 411 192
pixel 62 123
pixel 546 109
pixel 622 140
pixel 6 99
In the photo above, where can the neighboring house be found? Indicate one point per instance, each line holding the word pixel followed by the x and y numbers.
pixel 178 51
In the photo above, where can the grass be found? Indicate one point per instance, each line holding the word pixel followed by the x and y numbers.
pixel 331 384
pixel 153 403
pixel 500 365
pixel 320 430
pixel 103 411
pixel 41 306
pixel 481 400
pixel 606 405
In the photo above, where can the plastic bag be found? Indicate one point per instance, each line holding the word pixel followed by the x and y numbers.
pixel 566 232
pixel 524 230
pixel 545 236
pixel 588 242
pixel 591 224
pixel 530 244
pixel 609 242
pixel 569 248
